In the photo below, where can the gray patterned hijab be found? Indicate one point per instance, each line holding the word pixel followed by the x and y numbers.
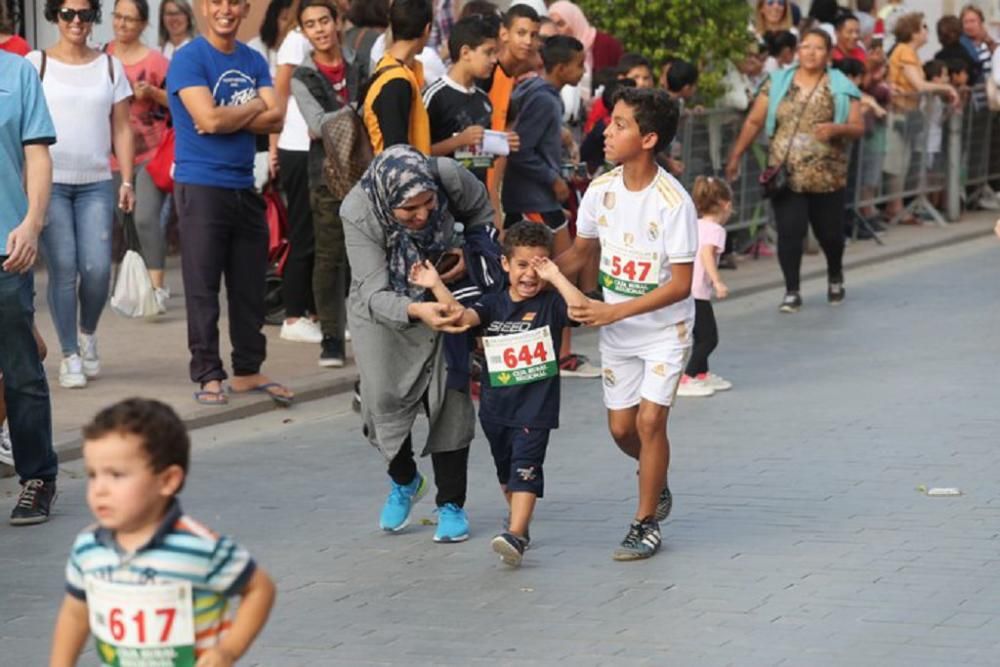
pixel 397 174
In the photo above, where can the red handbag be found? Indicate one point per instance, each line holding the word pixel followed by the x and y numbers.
pixel 161 166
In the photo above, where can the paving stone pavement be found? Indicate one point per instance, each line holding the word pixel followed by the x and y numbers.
pixel 798 536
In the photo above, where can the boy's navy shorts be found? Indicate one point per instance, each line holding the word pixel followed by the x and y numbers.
pixel 518 453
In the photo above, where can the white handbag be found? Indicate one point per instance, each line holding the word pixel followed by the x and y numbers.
pixel 133 296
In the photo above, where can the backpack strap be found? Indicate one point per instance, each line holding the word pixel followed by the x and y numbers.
pixel 41 69
pixel 111 66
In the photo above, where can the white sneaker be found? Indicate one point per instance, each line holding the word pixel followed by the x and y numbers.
pixel 88 350
pixel 71 372
pixel 303 330
pixel 347 336
pixel 162 295
pixel 694 387
pixel 578 366
pixel 718 383
pixel 6 448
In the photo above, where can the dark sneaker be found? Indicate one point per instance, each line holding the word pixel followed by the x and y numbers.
pixel 527 532
pixel 34 503
pixel 578 366
pixel 509 547
pixel 835 294
pixel 332 355
pixel 664 504
pixel 791 303
pixel 642 541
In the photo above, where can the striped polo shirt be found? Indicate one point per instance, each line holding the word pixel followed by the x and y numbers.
pixel 181 550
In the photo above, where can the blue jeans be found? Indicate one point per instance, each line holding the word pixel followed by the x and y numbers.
pixel 77 245
pixel 29 412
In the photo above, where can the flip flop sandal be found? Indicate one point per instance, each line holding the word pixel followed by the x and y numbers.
pixel 206 397
pixel 279 400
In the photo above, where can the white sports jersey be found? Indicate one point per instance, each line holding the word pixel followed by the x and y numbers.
pixel 641 234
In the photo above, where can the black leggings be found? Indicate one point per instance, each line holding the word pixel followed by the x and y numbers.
pixel 706 337
pixel 297 284
pixel 794 211
pixel 451 472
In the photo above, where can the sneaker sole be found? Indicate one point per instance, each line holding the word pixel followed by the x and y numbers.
pixel 582 376
pixel 75 384
pixel 421 492
pixel 788 309
pixel 331 363
pixel 697 395
pixel 631 555
pixel 296 339
pixel 450 540
pixel 508 554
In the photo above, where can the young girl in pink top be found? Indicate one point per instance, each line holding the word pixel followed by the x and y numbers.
pixel 714 201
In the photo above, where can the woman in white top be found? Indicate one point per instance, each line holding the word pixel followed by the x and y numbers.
pixel 291 150
pixel 83 88
pixel 176 26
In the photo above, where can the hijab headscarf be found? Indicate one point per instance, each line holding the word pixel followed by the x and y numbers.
pixel 577 22
pixel 397 174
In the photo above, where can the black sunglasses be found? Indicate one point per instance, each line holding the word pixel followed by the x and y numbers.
pixel 86 15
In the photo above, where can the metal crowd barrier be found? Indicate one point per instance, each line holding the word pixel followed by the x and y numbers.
pixel 923 151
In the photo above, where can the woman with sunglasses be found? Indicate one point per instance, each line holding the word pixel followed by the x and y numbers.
pixel 772 16
pixel 84 88
pixel 146 70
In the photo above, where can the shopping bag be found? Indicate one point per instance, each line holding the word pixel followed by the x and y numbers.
pixel 161 166
pixel 134 296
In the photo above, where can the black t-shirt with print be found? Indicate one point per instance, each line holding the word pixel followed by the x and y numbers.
pixel 451 109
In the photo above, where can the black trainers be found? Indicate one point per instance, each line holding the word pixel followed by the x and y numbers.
pixel 642 541
pixel 791 303
pixel 509 547
pixel 527 532
pixel 835 294
pixel 332 355
pixel 664 504
pixel 34 503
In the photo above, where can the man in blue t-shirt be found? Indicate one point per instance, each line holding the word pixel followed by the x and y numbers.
pixel 522 329
pixel 26 132
pixel 220 96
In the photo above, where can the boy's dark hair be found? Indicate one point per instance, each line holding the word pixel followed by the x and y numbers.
pixel 410 18
pixel 369 13
pixel 527 234
pixel 949 30
pixel 842 18
pixel 654 111
pixel 164 437
pixel 780 40
pixel 850 67
pixel 957 66
pixel 559 50
pixel 933 68
pixel 478 8
pixel 52 7
pixel 471 31
pixel 681 74
pixel 520 12
pixel 327 4
pixel 611 89
pixel 630 61
pixel 866 5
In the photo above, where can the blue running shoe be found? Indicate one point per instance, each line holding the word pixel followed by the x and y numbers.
pixel 402 498
pixel 453 524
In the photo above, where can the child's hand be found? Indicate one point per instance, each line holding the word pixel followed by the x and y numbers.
pixel 473 135
pixel 424 275
pixel 546 269
pixel 721 290
pixel 215 657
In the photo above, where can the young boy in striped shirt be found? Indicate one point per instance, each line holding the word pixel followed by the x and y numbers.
pixel 151 584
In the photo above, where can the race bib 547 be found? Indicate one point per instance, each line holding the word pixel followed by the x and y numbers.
pixel 628 271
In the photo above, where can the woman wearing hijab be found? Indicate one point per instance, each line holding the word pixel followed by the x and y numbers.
pixel 406 209
pixel 603 50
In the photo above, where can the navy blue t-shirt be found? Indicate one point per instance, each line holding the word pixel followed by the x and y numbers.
pixel 216 160
pixel 534 405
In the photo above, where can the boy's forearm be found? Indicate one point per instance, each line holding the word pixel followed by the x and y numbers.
pixel 570 292
pixel 72 630
pixel 678 289
pixel 258 598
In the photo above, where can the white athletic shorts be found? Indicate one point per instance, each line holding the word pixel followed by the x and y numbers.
pixel 653 374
